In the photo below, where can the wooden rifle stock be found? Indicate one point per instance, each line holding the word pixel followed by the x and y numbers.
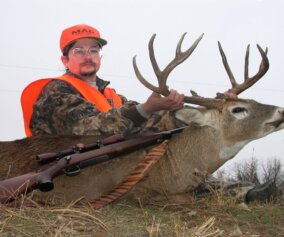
pixel 13 187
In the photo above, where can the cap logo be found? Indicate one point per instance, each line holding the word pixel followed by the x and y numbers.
pixel 82 31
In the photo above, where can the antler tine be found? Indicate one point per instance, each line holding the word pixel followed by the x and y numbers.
pixel 142 79
pixel 159 74
pixel 152 56
pixel 179 58
pixel 248 81
pixel 154 65
pixel 247 63
pixel 264 65
pixel 263 68
pixel 226 65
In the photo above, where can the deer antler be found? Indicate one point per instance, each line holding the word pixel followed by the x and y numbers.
pixel 248 81
pixel 163 75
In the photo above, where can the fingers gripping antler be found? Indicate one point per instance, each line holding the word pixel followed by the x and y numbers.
pixel 163 75
pixel 248 81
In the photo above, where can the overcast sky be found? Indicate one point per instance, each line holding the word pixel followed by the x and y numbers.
pixel 29 49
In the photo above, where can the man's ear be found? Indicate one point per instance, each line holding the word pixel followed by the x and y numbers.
pixel 64 60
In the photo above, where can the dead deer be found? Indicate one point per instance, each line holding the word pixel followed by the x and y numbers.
pixel 217 130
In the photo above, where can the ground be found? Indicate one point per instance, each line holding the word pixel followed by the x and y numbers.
pixel 214 216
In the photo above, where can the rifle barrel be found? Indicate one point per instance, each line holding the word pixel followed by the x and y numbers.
pixel 79 148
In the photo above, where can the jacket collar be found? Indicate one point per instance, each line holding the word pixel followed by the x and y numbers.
pixel 101 84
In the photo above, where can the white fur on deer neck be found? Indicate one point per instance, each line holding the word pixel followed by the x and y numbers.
pixel 230 151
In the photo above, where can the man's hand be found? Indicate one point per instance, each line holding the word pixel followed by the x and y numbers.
pixel 156 102
pixel 230 95
pixel 227 95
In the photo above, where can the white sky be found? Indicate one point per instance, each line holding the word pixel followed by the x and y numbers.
pixel 29 49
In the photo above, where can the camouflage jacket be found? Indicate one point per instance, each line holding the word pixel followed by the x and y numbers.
pixel 61 109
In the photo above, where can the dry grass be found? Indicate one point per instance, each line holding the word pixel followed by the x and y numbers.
pixel 210 217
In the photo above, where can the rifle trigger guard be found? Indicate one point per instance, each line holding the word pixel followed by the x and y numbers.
pixel 72 171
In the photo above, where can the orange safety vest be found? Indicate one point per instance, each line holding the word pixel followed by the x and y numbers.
pixel 31 92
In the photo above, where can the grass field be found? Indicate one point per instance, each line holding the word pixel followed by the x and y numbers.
pixel 208 217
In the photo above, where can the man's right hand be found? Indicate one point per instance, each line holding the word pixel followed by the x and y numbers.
pixel 156 102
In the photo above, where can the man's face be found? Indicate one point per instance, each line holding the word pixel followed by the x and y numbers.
pixel 84 58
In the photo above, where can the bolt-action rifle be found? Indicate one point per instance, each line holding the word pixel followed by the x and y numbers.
pixel 72 164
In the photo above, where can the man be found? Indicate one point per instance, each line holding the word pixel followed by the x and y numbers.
pixel 79 102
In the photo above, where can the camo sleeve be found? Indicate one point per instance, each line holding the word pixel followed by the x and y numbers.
pixel 60 109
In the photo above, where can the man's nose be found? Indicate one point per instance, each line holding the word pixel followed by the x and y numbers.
pixel 87 54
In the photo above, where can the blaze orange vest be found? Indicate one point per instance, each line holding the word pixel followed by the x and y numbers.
pixel 31 92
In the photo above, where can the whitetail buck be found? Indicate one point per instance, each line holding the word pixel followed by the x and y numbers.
pixel 217 130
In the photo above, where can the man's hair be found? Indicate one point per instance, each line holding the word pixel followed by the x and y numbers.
pixel 67 49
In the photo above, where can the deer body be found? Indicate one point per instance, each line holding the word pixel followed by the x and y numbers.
pixel 211 138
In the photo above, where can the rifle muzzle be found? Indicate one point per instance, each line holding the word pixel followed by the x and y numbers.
pixel 45 183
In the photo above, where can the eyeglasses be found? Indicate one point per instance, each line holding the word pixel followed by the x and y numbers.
pixel 80 52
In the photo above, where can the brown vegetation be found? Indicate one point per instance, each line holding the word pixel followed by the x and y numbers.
pixel 210 217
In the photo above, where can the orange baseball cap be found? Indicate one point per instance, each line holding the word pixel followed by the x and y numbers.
pixel 80 31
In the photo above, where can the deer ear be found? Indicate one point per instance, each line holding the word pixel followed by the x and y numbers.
pixel 191 115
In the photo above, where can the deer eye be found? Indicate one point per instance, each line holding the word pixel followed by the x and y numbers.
pixel 238 110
